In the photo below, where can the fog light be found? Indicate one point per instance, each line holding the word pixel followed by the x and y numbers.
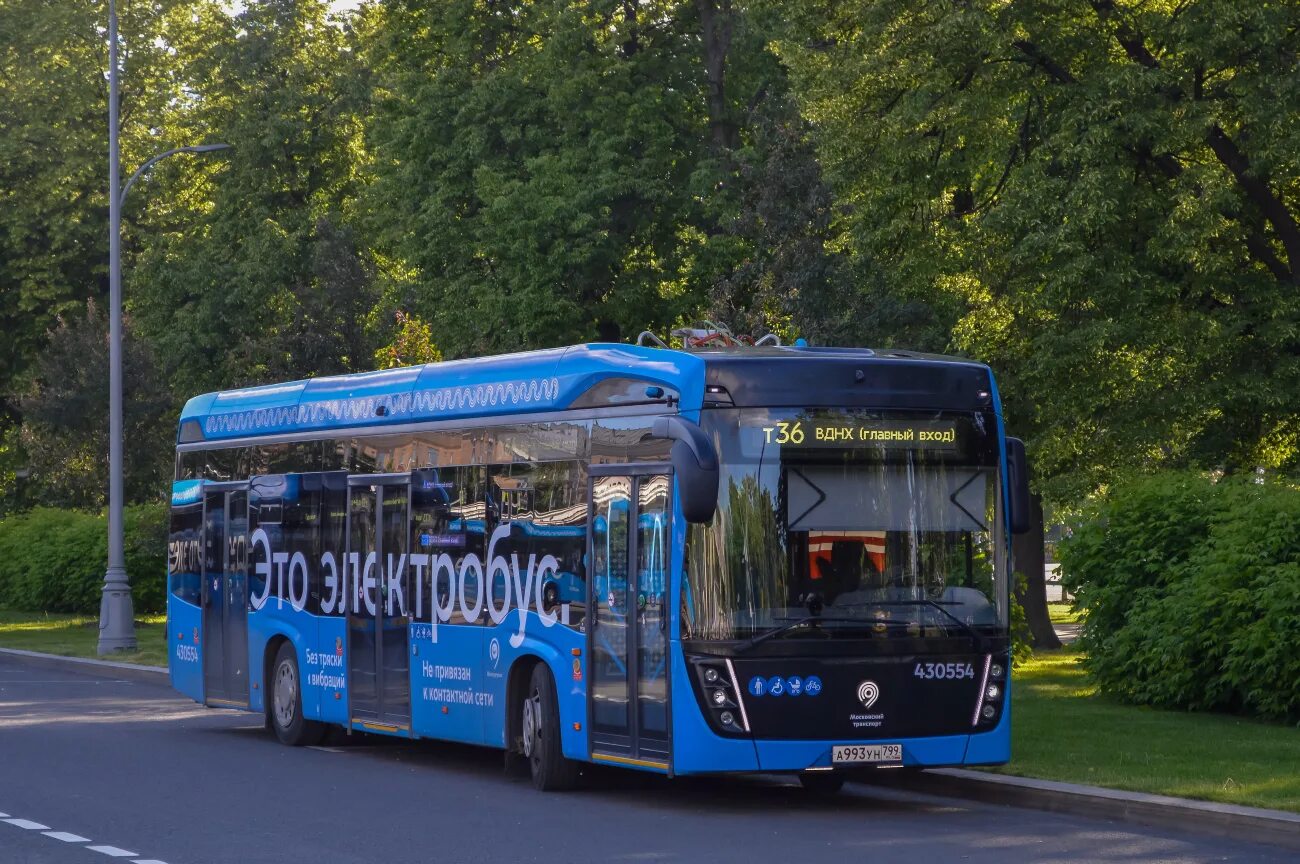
pixel 996 670
pixel 993 691
pixel 728 719
pixel 988 712
pixel 711 676
pixel 719 697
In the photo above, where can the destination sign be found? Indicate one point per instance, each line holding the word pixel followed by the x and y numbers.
pixel 853 432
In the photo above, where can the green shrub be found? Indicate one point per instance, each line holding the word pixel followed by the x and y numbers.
pixel 53 560
pixel 1192 592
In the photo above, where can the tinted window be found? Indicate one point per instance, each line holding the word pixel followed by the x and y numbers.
pixel 185 552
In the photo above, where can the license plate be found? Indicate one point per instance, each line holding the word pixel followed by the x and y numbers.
pixel 847 754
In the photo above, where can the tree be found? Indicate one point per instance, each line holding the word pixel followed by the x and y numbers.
pixel 64 403
pixel 552 172
pixel 255 272
pixel 534 166
pixel 412 345
pixel 53 156
pixel 1097 197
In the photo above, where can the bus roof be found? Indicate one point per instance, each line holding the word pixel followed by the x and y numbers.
pixel 587 376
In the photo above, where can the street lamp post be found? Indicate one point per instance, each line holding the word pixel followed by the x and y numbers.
pixel 116 614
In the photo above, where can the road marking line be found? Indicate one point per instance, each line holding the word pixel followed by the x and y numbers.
pixel 66 837
pixel 4 815
pixel 328 749
pixel 149 861
pixel 112 851
pixel 28 824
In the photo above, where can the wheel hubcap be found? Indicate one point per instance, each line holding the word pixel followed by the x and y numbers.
pixel 532 723
pixel 286 694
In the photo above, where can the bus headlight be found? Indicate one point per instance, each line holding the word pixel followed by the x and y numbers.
pixel 717 690
pixel 992 692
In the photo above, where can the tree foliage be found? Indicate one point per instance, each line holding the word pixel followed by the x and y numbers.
pixel 54 152
pixel 1099 197
pixel 256 274
pixel 64 403
pixel 573 171
pixel 1192 589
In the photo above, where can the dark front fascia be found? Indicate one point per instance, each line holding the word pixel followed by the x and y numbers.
pixel 826 377
pixel 861 698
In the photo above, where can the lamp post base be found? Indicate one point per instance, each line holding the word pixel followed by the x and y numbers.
pixel 116 614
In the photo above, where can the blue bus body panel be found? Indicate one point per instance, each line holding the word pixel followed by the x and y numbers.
pixel 327 672
pixel 459 674
pixel 531 382
pixel 696 748
pixel 184 647
pixel 448 670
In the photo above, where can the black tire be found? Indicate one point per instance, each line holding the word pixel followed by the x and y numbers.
pixel 822 784
pixel 539 727
pixel 284 702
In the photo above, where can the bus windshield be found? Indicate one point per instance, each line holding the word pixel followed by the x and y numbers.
pixel 867 524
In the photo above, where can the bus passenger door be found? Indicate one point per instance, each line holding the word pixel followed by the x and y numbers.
pixel 629 544
pixel 378 597
pixel 225 595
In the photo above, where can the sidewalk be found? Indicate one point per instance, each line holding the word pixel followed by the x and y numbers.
pixel 1254 824
pixel 85 666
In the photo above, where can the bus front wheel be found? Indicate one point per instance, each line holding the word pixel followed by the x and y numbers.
pixel 540 730
pixel 284 708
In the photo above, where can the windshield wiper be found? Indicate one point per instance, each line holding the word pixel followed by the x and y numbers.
pixel 786 628
pixel 933 604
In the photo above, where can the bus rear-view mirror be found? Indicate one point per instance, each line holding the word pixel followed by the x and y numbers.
pixel 695 462
pixel 1018 506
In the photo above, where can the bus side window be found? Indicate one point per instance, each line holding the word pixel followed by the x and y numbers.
pixel 560 499
pixel 184 552
pixel 448 517
pixel 547 505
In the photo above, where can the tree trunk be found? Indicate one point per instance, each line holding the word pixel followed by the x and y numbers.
pixel 1027 557
pixel 715 20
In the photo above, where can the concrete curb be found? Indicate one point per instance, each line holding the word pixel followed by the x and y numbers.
pixel 85 666
pixel 1250 824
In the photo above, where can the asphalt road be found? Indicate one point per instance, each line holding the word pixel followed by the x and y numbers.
pixel 91 767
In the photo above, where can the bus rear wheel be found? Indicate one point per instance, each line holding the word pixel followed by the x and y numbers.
pixel 539 725
pixel 284 708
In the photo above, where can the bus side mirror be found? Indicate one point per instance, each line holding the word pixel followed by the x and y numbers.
pixel 1018 505
pixel 695 463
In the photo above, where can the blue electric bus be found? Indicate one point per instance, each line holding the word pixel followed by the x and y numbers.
pixel 776 559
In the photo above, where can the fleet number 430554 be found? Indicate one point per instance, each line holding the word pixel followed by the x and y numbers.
pixel 944 670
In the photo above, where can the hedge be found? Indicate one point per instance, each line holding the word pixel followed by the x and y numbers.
pixel 1192 593
pixel 53 560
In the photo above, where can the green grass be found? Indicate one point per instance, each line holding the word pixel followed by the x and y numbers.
pixel 1062 613
pixel 1062 729
pixel 78 636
